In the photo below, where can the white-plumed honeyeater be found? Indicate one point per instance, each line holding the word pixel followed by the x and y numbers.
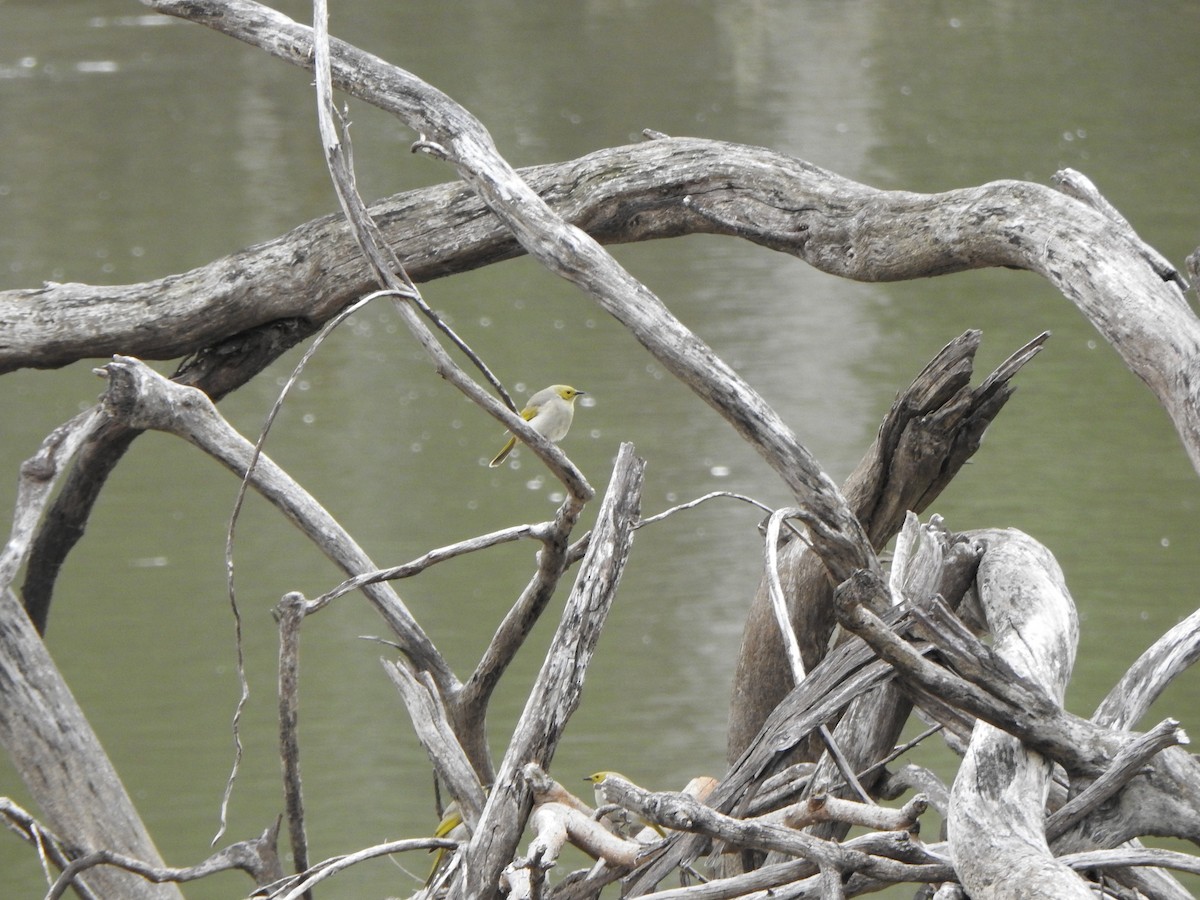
pixel 549 412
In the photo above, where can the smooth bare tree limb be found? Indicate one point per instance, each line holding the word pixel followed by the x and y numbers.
pixel 1169 656
pixel 450 761
pixel 552 560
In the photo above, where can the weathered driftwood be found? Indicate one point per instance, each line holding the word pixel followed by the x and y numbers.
pixel 660 189
pixel 928 562
pixel 931 430
pixel 141 398
pixel 43 729
pixel 637 193
pixel 556 692
pixel 1163 798
pixel 222 368
pixel 997 827
pixel 663 188
pixel 1107 823
pixel 1149 676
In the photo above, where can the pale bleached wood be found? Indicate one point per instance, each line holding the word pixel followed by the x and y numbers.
pixel 854 237
pixel 636 193
pixel 931 430
pixel 64 767
pixel 141 398
pixel 998 801
pixel 1169 656
pixel 555 694
pixel 451 133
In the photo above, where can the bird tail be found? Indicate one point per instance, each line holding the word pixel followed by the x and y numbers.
pixel 503 454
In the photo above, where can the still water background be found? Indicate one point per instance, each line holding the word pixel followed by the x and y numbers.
pixel 135 146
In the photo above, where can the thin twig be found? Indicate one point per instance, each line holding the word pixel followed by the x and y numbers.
pixel 775 588
pixel 423 562
pixel 696 502
pixel 234 515
pixel 390 272
pixel 901 750
pixel 792 645
pixel 51 849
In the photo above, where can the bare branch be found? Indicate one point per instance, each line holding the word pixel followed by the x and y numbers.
pixel 438 737
pixel 564 250
pixel 40 719
pixel 1148 677
pixel 290 615
pixel 428 559
pixel 144 399
pixel 297 886
pixel 552 561
pixel 683 813
pixel 258 857
pixel 39 474
pixel 1125 766
pixel 555 694
pixel 1000 846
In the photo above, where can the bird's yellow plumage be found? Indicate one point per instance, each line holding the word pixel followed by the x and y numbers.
pixel 549 412
pixel 451 826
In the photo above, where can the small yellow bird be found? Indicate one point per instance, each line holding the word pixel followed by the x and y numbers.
pixel 451 826
pixel 624 821
pixel 550 412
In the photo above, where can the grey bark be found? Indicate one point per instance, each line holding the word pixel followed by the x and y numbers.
pixel 997 825
pixel 664 188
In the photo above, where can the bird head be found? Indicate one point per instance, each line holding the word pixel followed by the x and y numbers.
pixel 567 392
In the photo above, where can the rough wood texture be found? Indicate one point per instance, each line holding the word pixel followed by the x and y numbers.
pixel 665 188
pixel 931 430
pixel 556 692
pixel 1169 656
pixel 998 801
pixel 451 133
pixel 42 728
pixel 638 193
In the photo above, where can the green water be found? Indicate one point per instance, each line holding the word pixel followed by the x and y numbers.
pixel 134 148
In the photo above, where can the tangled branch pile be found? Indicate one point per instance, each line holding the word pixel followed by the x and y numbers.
pixel 840 650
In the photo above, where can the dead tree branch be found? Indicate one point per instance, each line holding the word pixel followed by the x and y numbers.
pixel 142 398
pixel 931 430
pixel 555 694
pixel 81 794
